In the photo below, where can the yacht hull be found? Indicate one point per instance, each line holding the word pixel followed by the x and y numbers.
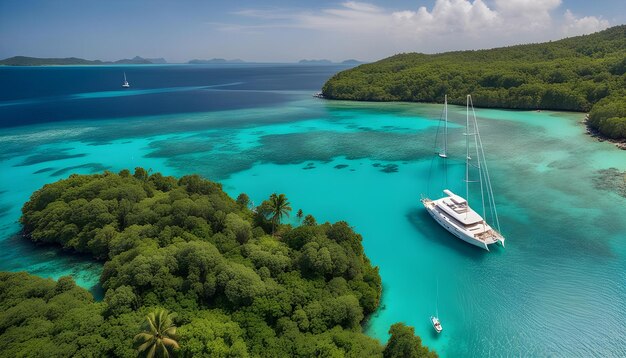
pixel 436 324
pixel 441 220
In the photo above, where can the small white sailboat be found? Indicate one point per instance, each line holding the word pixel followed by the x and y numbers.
pixel 452 211
pixel 125 84
pixel 434 320
pixel 436 324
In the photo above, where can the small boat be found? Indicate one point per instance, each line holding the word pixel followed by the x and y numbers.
pixel 453 211
pixel 319 95
pixel 434 320
pixel 125 84
pixel 436 324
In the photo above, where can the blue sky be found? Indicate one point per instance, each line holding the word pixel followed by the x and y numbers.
pixel 280 30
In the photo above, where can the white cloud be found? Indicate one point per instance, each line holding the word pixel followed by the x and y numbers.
pixel 361 6
pixel 533 14
pixel 366 31
pixel 573 25
pixel 450 16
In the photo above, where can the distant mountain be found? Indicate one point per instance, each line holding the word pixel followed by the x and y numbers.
pixel 36 61
pixel 157 61
pixel 351 62
pixel 134 61
pixel 315 62
pixel 214 60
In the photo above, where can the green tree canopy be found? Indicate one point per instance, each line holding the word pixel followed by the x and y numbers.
pixel 574 74
pixel 185 246
pixel 158 338
pixel 404 344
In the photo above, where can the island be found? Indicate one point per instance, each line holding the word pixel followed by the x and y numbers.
pixel 315 62
pixel 351 62
pixel 72 61
pixel 214 61
pixel 583 73
pixel 206 276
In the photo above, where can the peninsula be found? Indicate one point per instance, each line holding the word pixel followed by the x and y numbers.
pixel 240 281
pixel 583 73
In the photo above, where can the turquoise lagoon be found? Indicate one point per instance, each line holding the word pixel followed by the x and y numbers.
pixel 557 289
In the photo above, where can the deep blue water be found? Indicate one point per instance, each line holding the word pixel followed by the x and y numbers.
pixel 557 289
pixel 45 94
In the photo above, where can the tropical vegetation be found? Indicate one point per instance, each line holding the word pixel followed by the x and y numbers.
pixel 159 336
pixel 583 73
pixel 183 245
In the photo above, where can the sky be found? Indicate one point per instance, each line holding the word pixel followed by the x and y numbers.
pixel 288 30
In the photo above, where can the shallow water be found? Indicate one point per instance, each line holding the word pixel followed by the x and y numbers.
pixel 556 289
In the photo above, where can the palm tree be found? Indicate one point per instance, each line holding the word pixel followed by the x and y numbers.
pixel 279 206
pixel 158 338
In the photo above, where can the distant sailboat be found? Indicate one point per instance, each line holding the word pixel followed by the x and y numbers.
pixel 452 211
pixel 434 320
pixel 125 84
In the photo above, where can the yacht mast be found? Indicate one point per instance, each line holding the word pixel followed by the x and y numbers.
pixel 467 154
pixel 444 154
pixel 445 128
pixel 479 158
pixel 437 307
pixel 490 197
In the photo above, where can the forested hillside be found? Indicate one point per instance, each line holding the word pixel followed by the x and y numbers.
pixel 241 283
pixel 584 73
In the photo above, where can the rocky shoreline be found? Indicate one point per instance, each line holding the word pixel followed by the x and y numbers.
pixel 619 143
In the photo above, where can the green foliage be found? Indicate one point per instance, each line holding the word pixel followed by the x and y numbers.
pixel 41 318
pixel 243 199
pixel 574 74
pixel 404 344
pixel 212 334
pixel 121 300
pixel 609 116
pixel 278 206
pixel 309 220
pixel 186 246
pixel 239 227
pixel 158 339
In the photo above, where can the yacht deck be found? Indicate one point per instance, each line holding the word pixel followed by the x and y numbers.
pixel 458 208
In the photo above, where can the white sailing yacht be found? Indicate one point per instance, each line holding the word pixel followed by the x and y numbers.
pixel 452 211
pixel 125 84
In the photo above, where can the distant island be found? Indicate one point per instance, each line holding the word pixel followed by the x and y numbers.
pixel 583 73
pixel 241 283
pixel 138 60
pixel 214 60
pixel 315 62
pixel 37 61
pixel 352 62
pixel 328 62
